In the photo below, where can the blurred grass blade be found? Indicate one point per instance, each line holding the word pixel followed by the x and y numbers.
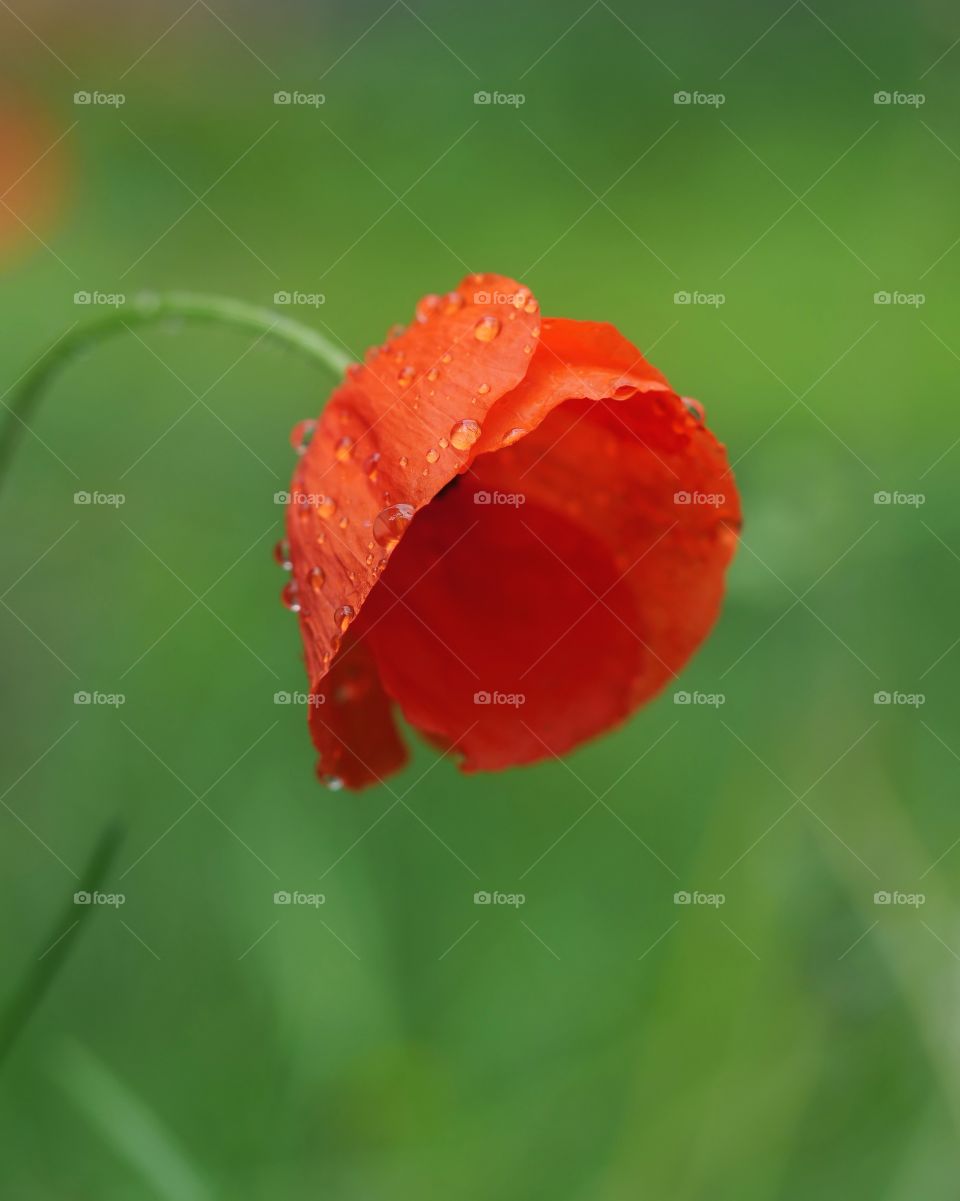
pixel 131 1128
pixel 69 926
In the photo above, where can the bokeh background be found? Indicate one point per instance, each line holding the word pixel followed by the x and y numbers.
pixel 601 1041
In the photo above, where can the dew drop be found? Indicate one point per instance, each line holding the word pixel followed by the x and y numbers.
pixel 316 577
pixel 391 523
pixel 343 616
pixel 694 407
pixel 433 454
pixel 404 461
pixel 334 783
pixel 453 301
pixel 405 376
pixel 432 374
pixel 371 464
pixel 486 328
pixel 512 436
pixel 290 596
pixel 326 506
pixel 427 307
pixel 483 389
pixel 281 552
pixel 302 435
pixel 343 449
pixel 464 434
pixel 531 306
pixel 343 522
pixel 443 444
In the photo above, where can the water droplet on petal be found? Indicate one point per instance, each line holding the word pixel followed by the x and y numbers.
pixel 371 463
pixel 334 783
pixel 316 577
pixel 290 596
pixel 427 307
pixel 483 389
pixel 443 444
pixel 464 434
pixel 486 328
pixel 453 301
pixel 281 552
pixel 391 523
pixel 343 449
pixel 694 407
pixel 326 506
pixel 512 436
pixel 343 616
pixel 433 454
pixel 404 461
pixel 531 306
pixel 432 374
pixel 343 522
pixel 302 434
pixel 405 376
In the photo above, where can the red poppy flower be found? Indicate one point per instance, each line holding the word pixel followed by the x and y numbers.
pixel 508 527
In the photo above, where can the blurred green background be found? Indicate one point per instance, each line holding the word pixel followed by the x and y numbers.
pixel 399 1042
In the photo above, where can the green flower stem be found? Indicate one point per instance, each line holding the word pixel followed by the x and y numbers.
pixel 36 983
pixel 149 309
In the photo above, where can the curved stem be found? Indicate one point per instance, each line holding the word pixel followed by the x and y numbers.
pixel 36 983
pixel 148 309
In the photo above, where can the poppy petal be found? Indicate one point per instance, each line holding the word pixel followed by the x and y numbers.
pixel 352 722
pixel 395 432
pixel 566 578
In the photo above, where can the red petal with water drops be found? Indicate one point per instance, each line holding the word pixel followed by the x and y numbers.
pixel 557 522
pixel 398 429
